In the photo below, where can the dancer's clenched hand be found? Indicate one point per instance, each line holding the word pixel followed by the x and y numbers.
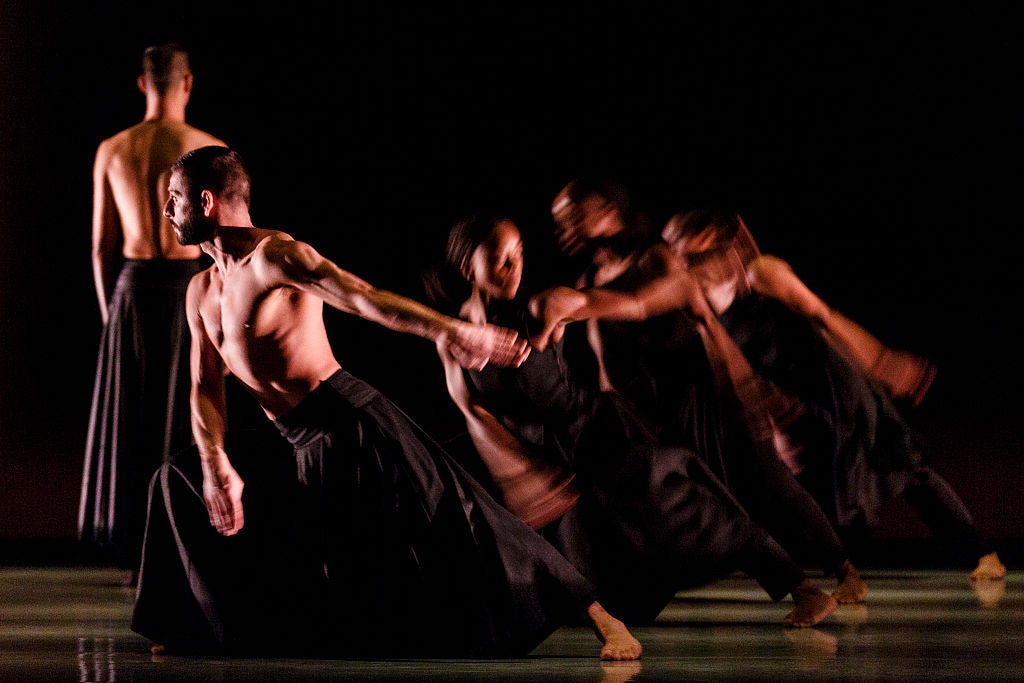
pixel 222 491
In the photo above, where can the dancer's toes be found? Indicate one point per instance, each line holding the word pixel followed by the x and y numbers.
pixel 989 567
pixel 621 647
pixel 851 589
pixel 618 644
pixel 812 605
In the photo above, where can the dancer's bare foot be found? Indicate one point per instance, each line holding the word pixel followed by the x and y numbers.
pixel 812 605
pixel 989 567
pixel 851 588
pixel 619 643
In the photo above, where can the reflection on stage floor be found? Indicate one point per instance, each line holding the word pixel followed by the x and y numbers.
pixel 72 624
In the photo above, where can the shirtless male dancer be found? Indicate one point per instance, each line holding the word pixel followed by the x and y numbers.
pixel 397 516
pixel 140 273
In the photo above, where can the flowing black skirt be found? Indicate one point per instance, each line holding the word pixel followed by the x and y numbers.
pixel 140 410
pixel 395 550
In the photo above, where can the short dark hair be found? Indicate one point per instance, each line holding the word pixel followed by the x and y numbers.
pixel 637 230
pixel 165 64
pixel 215 168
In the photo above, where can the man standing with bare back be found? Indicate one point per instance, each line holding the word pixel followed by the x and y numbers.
pixel 140 398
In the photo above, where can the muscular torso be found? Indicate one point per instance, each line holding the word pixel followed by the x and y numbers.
pixel 141 157
pixel 270 336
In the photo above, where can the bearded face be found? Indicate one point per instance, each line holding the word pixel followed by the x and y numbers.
pixel 191 227
pixel 189 223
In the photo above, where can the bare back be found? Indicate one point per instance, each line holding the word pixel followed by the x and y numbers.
pixel 267 332
pixel 133 168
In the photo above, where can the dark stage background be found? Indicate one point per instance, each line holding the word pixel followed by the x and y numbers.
pixel 873 145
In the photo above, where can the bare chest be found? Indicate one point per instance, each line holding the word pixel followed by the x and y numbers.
pixel 241 317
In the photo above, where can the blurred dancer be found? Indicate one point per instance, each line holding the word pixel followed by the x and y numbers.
pixel 140 398
pixel 641 520
pixel 660 346
pixel 857 450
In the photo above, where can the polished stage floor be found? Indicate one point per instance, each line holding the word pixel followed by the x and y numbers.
pixel 65 623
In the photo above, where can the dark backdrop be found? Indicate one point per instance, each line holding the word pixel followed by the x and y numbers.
pixel 874 147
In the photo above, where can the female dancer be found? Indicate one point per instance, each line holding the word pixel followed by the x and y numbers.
pixel 641 520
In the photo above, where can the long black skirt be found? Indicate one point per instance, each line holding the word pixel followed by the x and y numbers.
pixel 393 548
pixel 139 409
pixel 652 520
